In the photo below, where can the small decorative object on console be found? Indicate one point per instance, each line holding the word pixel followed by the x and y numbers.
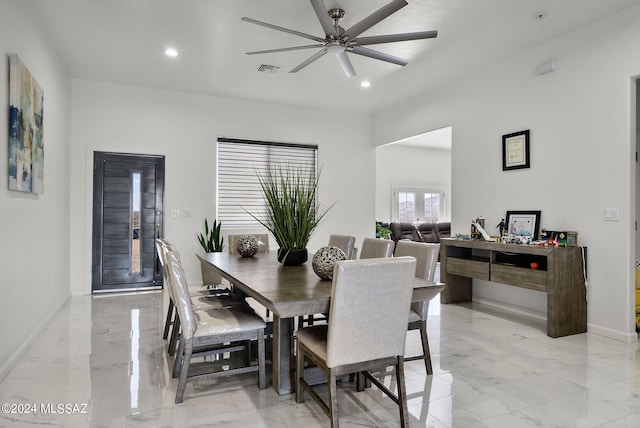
pixel 562 239
pixel 324 259
pixel 247 245
pixel 516 239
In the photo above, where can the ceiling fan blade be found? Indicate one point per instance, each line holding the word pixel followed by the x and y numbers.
pixel 344 61
pixel 309 60
pixel 373 19
pixel 390 38
pixel 293 48
pixel 323 17
pixel 377 55
pixel 286 30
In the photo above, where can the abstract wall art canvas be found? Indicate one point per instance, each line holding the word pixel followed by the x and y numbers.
pixel 26 144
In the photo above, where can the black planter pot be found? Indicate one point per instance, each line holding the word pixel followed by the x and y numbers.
pixel 294 257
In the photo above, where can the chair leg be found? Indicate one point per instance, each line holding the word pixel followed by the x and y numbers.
pixel 360 381
pixel 247 353
pixel 177 365
pixel 425 347
pixel 175 333
pixel 262 377
pixel 402 394
pixel 169 320
pixel 184 371
pixel 333 398
pixel 299 374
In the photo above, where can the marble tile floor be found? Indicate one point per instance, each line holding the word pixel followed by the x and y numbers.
pixel 101 362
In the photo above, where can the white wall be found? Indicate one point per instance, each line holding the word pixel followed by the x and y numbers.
pixel 581 118
pixel 410 166
pixel 184 128
pixel 34 228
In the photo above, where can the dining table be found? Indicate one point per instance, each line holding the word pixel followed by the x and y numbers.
pixel 288 292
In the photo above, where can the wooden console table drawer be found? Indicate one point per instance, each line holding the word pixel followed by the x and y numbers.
pixel 469 268
pixel 519 277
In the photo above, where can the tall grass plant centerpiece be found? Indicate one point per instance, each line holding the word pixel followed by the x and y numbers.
pixel 291 212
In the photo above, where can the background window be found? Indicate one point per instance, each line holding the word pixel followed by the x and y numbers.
pixel 239 162
pixel 406 206
pixel 423 205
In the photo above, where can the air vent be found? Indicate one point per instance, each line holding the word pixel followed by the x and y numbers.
pixel 265 68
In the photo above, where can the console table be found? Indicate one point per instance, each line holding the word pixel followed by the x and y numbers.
pixel 559 273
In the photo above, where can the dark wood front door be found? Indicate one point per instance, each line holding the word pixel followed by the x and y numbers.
pixel 127 217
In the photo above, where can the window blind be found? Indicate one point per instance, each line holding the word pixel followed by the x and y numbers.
pixel 239 164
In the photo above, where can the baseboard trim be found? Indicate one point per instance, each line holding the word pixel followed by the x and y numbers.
pixel 8 365
pixel 613 334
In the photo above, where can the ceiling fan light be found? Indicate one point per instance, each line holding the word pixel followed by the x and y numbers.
pixel 171 52
pixel 365 84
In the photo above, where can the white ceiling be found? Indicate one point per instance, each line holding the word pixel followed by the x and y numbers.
pixel 124 41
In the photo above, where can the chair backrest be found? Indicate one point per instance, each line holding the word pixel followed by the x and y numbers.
pixel 345 242
pixel 162 247
pixel 182 300
pixel 263 242
pixel 375 248
pixel 369 309
pixel 426 256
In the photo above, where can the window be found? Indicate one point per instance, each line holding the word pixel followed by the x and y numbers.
pixel 418 205
pixel 239 162
pixel 406 206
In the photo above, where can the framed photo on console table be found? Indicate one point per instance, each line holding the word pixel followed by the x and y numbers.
pixel 515 150
pixel 523 223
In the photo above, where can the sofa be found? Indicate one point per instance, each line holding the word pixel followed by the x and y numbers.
pixel 423 232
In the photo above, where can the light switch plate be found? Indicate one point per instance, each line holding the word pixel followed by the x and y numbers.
pixel 611 214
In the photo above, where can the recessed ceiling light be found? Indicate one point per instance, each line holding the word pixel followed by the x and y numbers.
pixel 171 52
pixel 365 84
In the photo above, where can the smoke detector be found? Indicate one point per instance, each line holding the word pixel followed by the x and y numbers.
pixel 540 15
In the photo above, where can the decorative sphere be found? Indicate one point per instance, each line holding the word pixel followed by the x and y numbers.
pixel 247 245
pixel 324 259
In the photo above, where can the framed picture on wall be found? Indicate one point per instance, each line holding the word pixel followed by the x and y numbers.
pixel 26 145
pixel 523 223
pixel 515 150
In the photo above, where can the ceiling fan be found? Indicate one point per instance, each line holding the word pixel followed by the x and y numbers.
pixel 339 41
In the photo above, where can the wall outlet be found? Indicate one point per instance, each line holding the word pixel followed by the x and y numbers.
pixel 175 213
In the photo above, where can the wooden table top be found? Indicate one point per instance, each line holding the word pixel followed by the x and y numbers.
pixel 288 291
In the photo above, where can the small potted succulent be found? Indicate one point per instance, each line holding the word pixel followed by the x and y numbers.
pixel 212 242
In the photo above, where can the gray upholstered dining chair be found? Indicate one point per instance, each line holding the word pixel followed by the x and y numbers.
pixel 370 302
pixel 375 248
pixel 203 299
pixel 345 242
pixel 213 331
pixel 426 256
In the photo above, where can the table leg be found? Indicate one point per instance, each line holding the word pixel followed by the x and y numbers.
pixel 282 354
